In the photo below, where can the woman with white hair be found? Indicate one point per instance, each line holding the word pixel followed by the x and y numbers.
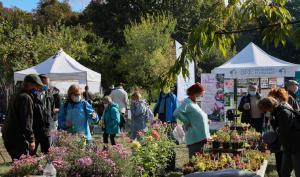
pixel 111 120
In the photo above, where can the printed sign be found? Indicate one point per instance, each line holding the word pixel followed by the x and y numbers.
pixel 213 100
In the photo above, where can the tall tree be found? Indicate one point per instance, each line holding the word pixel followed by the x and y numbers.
pixel 148 51
pixel 20 48
pixel 53 12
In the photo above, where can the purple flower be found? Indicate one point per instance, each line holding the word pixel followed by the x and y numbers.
pixel 85 161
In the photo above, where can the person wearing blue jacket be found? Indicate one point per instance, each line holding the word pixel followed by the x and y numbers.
pixel 76 114
pixel 111 121
pixel 165 106
pixel 195 120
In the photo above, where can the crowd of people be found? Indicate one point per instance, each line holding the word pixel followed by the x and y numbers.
pixel 37 109
pixel 277 118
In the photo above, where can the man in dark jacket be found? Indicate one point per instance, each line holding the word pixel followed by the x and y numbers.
pixel 44 115
pixel 17 131
pixel 88 96
pixel 248 106
pixel 57 103
pixel 41 126
pixel 292 88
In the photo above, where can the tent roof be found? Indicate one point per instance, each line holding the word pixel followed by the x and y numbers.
pixel 61 67
pixel 253 62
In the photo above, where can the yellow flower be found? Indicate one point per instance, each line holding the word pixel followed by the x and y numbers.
pixel 149 138
pixel 200 166
pixel 136 144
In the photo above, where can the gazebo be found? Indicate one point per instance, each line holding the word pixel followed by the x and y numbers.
pixel 63 71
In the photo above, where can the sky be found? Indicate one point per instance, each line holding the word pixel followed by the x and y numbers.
pixel 28 5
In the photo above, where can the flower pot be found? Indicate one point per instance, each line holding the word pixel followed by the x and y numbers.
pixel 226 145
pixel 235 145
pixel 216 145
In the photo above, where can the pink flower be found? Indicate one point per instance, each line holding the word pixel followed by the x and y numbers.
pixel 85 161
pixel 123 152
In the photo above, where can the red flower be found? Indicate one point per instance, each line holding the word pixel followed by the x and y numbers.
pixel 155 134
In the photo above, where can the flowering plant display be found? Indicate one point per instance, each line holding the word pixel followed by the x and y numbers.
pixel 235 136
pixel 252 135
pixel 251 160
pixel 223 135
pixel 72 157
pixel 155 148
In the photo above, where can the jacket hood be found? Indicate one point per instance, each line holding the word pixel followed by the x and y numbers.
pixel 114 105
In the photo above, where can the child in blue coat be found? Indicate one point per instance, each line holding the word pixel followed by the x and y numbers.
pixel 111 120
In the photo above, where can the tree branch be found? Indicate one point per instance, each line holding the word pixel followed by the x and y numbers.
pixel 256 28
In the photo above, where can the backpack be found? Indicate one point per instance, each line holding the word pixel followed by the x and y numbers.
pixel 41 118
pixel 296 124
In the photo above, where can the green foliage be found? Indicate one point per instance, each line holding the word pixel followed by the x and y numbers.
pixel 20 48
pixel 52 12
pixel 156 150
pixel 209 34
pixel 148 51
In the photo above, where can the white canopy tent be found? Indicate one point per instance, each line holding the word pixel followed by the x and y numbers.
pixel 63 71
pixel 253 62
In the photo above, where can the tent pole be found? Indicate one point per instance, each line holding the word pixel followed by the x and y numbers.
pixel 86 79
pixel 259 85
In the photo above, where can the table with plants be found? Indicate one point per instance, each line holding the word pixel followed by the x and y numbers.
pixel 236 146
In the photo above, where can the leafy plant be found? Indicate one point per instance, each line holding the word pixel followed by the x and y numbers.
pixel 156 149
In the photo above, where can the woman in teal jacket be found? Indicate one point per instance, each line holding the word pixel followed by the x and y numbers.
pixel 195 120
pixel 111 120
pixel 76 113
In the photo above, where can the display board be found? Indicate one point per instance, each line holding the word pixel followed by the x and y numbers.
pixel 213 100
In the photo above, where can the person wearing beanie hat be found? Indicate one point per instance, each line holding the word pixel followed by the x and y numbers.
pixel 17 131
pixel 248 106
pixel 195 120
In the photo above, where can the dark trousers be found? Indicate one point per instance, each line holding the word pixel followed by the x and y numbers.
pixel 44 142
pixel 290 162
pixel 256 123
pixel 278 157
pixel 162 117
pixel 194 149
pixel 111 137
pixel 122 121
pixel 17 149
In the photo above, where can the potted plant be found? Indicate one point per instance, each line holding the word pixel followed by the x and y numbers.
pixel 226 141
pixel 241 127
pixel 216 142
pixel 236 140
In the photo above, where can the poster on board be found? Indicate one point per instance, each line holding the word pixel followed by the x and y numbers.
pixel 228 86
pixel 213 100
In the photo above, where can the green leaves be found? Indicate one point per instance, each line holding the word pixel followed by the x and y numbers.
pixel 272 18
pixel 148 51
